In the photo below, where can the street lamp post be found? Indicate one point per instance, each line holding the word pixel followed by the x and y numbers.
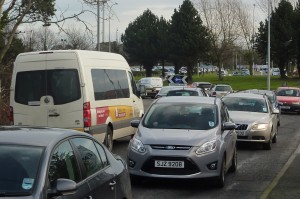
pixel 269 45
pixel 109 47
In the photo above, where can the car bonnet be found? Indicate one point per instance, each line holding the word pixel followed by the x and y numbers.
pixel 248 117
pixel 176 136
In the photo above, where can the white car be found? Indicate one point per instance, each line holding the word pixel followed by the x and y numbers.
pixel 276 71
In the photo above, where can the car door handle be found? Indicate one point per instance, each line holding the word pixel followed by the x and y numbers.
pixel 54 115
pixel 112 183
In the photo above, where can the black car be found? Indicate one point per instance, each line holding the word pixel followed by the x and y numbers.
pixel 43 163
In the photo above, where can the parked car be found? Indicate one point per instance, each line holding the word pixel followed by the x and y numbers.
pixel 220 90
pixel 276 71
pixel 46 163
pixel 254 116
pixel 272 97
pixel 288 99
pixel 245 71
pixel 223 73
pixel 183 138
pixel 187 92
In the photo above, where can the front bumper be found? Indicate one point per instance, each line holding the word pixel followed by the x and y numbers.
pixel 195 167
pixel 249 135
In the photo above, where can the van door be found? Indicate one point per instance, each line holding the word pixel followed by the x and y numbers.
pixel 64 99
pixel 28 86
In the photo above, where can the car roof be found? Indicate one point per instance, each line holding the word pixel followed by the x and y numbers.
pixel 222 85
pixel 286 87
pixel 188 99
pixel 259 91
pixel 34 136
pixel 202 82
pixel 245 95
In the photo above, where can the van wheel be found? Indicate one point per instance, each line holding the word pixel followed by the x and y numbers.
pixel 108 141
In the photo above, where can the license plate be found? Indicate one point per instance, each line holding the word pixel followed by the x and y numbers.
pixel 169 164
pixel 285 107
pixel 241 133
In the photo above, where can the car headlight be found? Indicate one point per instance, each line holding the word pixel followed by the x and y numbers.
pixel 137 145
pixel 295 102
pixel 207 147
pixel 259 126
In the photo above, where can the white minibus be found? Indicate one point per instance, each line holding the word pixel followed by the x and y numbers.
pixel 90 91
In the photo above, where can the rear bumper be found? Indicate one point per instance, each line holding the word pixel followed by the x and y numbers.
pixel 290 108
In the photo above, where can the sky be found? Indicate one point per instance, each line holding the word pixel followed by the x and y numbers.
pixel 126 11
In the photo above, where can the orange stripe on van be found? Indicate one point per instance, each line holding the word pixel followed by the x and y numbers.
pixel 116 113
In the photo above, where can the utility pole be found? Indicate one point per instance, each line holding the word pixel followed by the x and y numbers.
pixel 269 45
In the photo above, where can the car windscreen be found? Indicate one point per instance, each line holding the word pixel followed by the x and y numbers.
pixel 246 104
pixel 193 116
pixel 223 88
pixel 204 85
pixel 62 84
pixel 19 169
pixel 182 93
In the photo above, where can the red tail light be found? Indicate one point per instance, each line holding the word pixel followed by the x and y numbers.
pixel 87 118
pixel 11 115
pixel 214 93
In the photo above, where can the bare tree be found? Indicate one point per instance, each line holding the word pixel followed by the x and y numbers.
pixel 76 39
pixel 16 12
pixel 263 4
pixel 220 17
pixel 45 39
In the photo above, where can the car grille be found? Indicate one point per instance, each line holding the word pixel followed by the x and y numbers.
pixel 241 126
pixel 189 166
pixel 170 147
pixel 242 137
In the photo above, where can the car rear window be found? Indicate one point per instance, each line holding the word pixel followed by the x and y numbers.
pixel 245 104
pixel 18 168
pixel 181 116
pixel 223 88
pixel 288 92
pixel 182 93
pixel 63 85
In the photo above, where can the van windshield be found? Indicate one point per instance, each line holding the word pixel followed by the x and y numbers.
pixel 63 85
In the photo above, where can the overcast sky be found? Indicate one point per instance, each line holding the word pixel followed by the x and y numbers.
pixel 126 11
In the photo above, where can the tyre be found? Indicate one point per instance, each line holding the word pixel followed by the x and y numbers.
pixel 135 179
pixel 220 182
pixel 233 166
pixel 274 140
pixel 267 146
pixel 108 141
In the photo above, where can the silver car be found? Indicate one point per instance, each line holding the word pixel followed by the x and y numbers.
pixel 220 90
pixel 255 117
pixel 184 137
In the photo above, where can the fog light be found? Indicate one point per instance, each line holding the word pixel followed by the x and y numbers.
pixel 131 163
pixel 212 166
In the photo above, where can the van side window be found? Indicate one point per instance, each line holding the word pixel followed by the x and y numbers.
pixel 110 84
pixel 63 85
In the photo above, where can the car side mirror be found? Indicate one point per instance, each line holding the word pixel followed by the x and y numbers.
pixel 275 111
pixel 135 123
pixel 228 126
pixel 63 186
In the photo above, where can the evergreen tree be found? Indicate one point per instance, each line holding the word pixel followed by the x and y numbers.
pixel 189 38
pixel 140 41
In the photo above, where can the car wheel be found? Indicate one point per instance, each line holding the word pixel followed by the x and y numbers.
pixel 233 166
pixel 221 178
pixel 108 141
pixel 274 140
pixel 267 146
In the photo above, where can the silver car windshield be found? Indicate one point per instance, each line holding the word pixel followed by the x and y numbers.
pixel 245 104
pixel 181 116
pixel 18 169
